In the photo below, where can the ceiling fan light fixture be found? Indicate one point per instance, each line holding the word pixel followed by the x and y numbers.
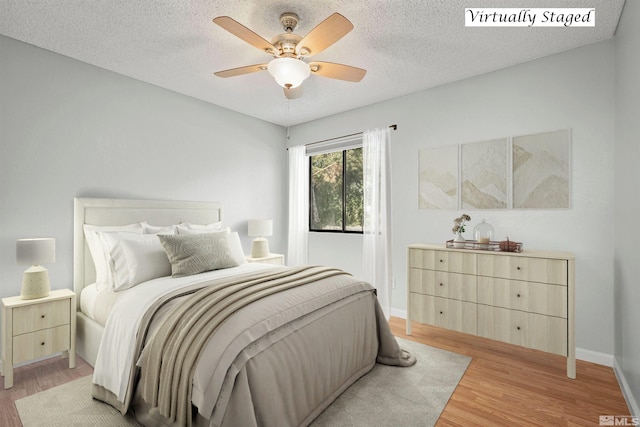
pixel 289 72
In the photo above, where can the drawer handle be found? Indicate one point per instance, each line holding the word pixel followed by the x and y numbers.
pixel 441 284
pixel 440 312
pixel 42 316
pixel 441 260
pixel 518 327
pixel 518 268
pixel 42 343
pixel 518 295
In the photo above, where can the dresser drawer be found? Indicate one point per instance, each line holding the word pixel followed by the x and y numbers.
pixel 40 343
pixel 531 330
pixel 445 313
pixel 523 268
pixel 533 297
pixel 41 316
pixel 454 262
pixel 442 284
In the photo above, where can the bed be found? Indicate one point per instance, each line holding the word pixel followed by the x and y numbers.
pixel 242 344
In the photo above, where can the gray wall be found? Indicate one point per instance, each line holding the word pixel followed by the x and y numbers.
pixel 574 89
pixel 627 205
pixel 70 129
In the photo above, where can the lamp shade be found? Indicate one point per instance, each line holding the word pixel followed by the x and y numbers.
pixel 35 251
pixel 289 72
pixel 260 227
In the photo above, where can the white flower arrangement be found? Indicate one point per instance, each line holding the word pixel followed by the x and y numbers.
pixel 458 223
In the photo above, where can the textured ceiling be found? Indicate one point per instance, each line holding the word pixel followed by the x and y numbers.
pixel 405 45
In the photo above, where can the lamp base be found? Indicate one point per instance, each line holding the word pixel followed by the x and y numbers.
pixel 35 283
pixel 260 248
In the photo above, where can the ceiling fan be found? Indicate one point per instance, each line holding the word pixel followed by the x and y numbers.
pixel 289 50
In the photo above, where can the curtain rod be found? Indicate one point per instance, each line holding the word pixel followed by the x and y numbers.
pixel 392 127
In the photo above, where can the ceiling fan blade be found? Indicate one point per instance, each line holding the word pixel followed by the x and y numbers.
pixel 324 35
pixel 337 71
pixel 242 32
pixel 293 93
pixel 241 70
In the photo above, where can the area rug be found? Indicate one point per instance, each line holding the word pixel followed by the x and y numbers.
pixel 387 395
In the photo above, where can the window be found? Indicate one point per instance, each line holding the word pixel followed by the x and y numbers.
pixel 336 191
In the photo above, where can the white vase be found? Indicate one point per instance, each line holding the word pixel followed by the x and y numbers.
pixel 459 241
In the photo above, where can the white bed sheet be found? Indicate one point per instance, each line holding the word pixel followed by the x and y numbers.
pixel 112 367
pixel 96 303
pixel 88 299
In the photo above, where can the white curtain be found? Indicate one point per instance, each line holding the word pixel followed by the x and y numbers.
pixel 377 213
pixel 297 248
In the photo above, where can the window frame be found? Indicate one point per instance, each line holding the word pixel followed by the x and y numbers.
pixel 344 196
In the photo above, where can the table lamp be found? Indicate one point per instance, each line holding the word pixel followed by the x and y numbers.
pixel 260 228
pixel 34 252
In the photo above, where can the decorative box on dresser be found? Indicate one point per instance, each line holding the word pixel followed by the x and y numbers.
pixel 522 298
pixel 34 328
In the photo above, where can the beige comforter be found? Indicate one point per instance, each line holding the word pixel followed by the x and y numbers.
pixel 238 388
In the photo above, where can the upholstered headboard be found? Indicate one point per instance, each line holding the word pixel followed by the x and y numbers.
pixel 127 211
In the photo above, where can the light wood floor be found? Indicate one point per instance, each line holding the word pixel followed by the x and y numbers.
pixel 504 385
pixel 507 385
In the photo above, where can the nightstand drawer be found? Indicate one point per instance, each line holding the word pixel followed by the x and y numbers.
pixel 35 317
pixel 40 343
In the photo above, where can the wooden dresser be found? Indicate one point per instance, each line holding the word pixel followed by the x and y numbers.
pixel 521 298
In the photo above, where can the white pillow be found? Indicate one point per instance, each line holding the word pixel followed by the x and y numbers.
pixel 158 229
pixel 184 230
pixel 233 239
pixel 135 258
pixel 214 226
pixel 97 251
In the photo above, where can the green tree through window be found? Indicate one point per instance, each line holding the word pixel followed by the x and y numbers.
pixel 336 191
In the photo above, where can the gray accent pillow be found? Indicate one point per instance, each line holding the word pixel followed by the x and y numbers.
pixel 196 253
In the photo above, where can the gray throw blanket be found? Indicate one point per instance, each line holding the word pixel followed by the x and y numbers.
pixel 169 360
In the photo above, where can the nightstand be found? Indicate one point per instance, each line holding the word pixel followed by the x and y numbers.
pixel 37 327
pixel 277 259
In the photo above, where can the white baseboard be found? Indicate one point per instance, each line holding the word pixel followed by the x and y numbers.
pixel 581 353
pixel 633 405
pixel 399 313
pixel 594 357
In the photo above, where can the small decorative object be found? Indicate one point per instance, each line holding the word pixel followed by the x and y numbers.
pixel 459 241
pixel 483 233
pixel 458 228
pixel 34 252
pixel 259 228
pixel 509 246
